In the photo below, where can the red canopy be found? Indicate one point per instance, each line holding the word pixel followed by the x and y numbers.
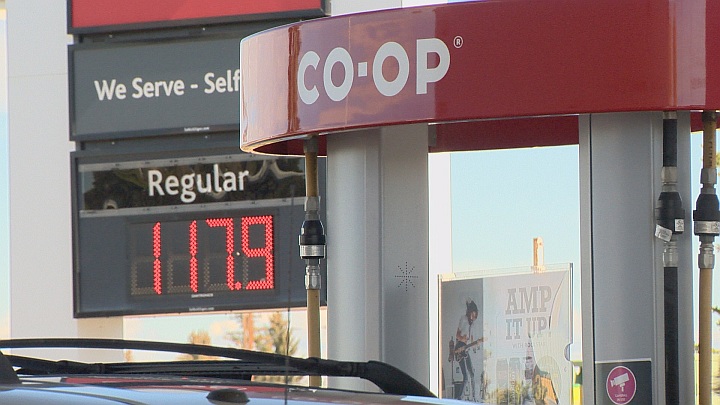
pixel 491 74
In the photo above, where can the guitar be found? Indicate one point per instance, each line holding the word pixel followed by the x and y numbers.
pixel 458 350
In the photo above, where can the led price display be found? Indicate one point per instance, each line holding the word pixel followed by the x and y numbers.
pixel 202 256
pixel 158 233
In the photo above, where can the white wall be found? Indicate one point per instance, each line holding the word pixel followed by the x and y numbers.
pixel 41 295
pixel 40 249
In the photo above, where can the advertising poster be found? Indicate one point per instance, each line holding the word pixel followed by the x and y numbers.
pixel 504 339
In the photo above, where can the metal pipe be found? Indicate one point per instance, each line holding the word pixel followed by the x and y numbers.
pixel 312 250
pixel 706 219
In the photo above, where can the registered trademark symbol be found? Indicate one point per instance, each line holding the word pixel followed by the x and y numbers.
pixel 458 41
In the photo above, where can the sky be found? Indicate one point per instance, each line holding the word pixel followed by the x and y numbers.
pixel 520 194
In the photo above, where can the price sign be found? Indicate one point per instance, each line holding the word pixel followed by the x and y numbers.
pixel 157 234
pixel 202 257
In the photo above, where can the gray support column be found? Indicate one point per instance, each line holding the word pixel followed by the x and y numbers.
pixel 377 230
pixel 622 267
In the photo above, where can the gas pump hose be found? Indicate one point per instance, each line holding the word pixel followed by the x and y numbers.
pixel 670 216
pixel 312 250
pixel 706 219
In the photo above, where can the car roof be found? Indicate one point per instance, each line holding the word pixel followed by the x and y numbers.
pixel 227 380
pixel 152 390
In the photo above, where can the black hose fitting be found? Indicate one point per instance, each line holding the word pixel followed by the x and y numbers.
pixel 707 215
pixel 312 239
pixel 669 211
pixel 312 232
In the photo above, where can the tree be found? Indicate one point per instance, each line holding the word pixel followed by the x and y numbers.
pixel 273 339
pixel 199 337
pixel 276 338
pixel 244 338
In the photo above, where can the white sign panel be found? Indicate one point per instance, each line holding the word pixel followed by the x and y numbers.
pixel 504 339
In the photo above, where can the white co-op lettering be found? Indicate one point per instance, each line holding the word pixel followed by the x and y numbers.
pixel 424 74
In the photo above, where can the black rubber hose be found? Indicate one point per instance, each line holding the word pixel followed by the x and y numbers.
pixel 670 142
pixel 672 358
pixel 669 209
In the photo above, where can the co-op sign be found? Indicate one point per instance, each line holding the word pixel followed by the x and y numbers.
pixel 391 52
pixel 156 88
pixel 340 78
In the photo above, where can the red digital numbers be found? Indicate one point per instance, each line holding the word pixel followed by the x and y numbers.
pixel 157 264
pixel 228 223
pixel 193 249
pixel 266 251
pixel 209 241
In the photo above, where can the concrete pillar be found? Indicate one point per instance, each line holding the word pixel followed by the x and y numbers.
pixel 622 267
pixel 377 208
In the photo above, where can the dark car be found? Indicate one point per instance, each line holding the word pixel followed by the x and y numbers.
pixel 31 380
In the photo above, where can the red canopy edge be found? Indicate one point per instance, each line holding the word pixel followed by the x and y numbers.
pixel 489 75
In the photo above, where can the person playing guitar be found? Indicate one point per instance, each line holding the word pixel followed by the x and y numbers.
pixel 463 341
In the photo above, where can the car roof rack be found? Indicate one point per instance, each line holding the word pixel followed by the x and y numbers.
pixel 243 364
